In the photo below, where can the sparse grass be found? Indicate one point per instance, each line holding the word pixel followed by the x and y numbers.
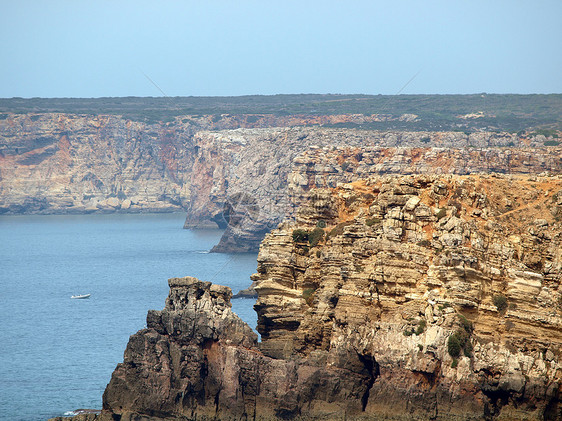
pixel 308 295
pixel 338 229
pixel 421 327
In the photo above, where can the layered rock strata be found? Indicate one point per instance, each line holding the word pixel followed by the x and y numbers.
pixel 395 297
pixel 235 179
pixel 406 263
pixel 57 163
pixel 248 181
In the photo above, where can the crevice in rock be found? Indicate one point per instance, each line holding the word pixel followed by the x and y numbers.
pixel 497 399
pixel 553 410
pixel 217 399
pixel 373 370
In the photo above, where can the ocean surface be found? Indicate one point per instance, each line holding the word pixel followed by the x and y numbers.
pixel 57 354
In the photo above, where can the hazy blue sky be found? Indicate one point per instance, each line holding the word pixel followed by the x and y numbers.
pixel 57 48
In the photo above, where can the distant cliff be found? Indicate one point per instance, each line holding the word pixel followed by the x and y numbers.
pixel 393 297
pixel 243 180
pixel 250 180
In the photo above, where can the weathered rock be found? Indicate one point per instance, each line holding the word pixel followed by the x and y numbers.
pixel 245 180
pixel 249 180
pixel 197 360
pixel 405 264
pixel 382 317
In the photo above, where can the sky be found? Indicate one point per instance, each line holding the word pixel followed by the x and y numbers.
pixel 74 48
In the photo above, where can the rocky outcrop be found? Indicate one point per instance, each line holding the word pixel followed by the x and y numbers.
pixel 448 286
pixel 395 297
pixel 198 361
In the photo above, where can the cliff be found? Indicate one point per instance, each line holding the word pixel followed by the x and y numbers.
pixel 398 297
pixel 406 263
pixel 57 163
pixel 249 180
pixel 245 180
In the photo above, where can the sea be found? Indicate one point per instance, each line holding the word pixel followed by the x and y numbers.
pixel 57 353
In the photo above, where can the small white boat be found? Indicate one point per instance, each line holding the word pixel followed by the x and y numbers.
pixel 81 297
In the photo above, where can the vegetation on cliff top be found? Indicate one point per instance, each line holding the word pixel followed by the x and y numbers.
pixel 435 112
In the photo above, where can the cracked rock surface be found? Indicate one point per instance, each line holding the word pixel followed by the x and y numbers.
pixel 424 297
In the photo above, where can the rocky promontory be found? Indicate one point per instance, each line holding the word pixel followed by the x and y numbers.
pixel 392 297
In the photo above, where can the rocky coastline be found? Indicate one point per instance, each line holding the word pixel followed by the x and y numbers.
pixel 392 297
pixel 239 173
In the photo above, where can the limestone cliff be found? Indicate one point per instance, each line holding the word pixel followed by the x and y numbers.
pixel 395 297
pixel 249 180
pixel 245 180
pixel 58 163
pixel 449 286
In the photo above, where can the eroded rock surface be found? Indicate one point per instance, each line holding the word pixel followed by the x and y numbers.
pixel 395 297
pixel 404 263
pixel 249 180
pixel 241 180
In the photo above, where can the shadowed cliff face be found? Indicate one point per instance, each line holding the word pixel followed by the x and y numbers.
pixel 406 297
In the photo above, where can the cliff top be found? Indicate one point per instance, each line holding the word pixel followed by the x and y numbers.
pixel 433 112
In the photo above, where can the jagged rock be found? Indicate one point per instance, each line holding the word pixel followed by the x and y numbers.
pixel 365 324
pixel 390 281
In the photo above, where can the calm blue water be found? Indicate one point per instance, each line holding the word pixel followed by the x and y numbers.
pixel 57 354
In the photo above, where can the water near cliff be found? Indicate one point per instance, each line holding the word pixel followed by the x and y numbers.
pixel 57 354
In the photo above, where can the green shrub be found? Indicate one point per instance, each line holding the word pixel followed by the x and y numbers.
pixel 408 332
pixel 318 253
pixel 455 363
pixel 467 349
pixel 500 302
pixel 300 236
pixel 551 143
pixel 454 346
pixel 308 295
pixel 421 327
pixel 315 236
pixel 321 224
pixel 459 341
pixel 466 324
pixel 373 221
pixel 420 347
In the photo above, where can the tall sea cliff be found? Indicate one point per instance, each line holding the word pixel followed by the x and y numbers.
pixel 391 297
pixel 233 172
